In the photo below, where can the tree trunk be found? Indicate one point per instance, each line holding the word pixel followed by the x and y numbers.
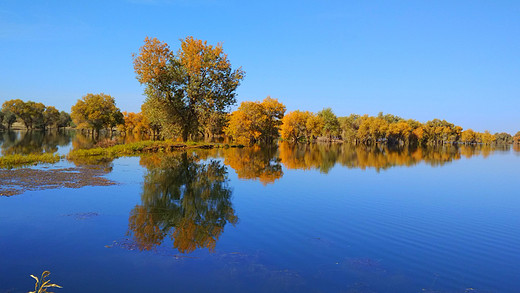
pixel 185 134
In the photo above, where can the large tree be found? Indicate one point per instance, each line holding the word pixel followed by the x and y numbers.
pixel 185 88
pixel 96 111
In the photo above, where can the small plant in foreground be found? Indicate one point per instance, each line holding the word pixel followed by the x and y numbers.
pixel 42 284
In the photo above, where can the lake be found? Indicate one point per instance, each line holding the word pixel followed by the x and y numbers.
pixel 285 218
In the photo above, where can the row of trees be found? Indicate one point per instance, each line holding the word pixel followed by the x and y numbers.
pixel 33 115
pixel 253 122
pixel 188 95
pixel 390 129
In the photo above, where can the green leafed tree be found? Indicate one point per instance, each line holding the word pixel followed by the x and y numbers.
pixel 188 87
pixel 51 117
pixel 349 126
pixel 96 111
pixel 9 118
pixel 64 120
pixel 503 138
pixel 30 113
pixel 2 120
pixel 330 123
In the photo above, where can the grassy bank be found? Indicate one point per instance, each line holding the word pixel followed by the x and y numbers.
pixel 17 160
pixel 130 149
pixel 142 147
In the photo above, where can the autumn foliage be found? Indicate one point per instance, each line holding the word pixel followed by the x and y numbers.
pixel 189 93
pixel 183 199
pixel 187 90
pixel 96 111
pixel 256 121
pixel 33 115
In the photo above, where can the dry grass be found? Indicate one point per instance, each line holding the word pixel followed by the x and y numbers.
pixel 42 284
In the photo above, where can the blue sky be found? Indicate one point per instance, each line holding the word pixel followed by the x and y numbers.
pixel 454 60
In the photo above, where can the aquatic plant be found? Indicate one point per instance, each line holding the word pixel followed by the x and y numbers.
pixel 18 160
pixel 42 284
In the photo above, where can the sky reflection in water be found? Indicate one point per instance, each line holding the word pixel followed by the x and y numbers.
pixel 307 218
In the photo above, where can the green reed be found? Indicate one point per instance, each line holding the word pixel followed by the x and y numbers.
pixel 18 160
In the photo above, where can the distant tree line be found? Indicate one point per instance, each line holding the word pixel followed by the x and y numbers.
pixel 189 94
pixel 383 128
pixel 33 115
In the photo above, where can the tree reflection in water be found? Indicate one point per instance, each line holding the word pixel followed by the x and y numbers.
pixel 255 162
pixel 380 157
pixel 33 142
pixel 185 199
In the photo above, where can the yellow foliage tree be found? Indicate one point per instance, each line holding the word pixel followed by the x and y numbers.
pixel 294 125
pixel 469 136
pixel 256 121
pixel 399 132
pixel 96 111
pixel 486 137
pixel 516 138
pixel 372 129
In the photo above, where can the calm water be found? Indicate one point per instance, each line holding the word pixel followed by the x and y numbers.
pixel 312 218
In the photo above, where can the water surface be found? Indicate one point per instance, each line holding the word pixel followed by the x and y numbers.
pixel 305 218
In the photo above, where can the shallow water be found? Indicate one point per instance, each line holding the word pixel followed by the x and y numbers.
pixel 318 218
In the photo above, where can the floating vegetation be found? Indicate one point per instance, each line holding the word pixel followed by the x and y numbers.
pixel 126 244
pixel 131 245
pixel 42 284
pixel 18 160
pixel 17 181
pixel 83 216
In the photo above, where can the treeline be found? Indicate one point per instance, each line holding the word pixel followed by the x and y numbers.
pixel 96 112
pixel 33 115
pixel 189 94
pixel 266 121
pixel 389 129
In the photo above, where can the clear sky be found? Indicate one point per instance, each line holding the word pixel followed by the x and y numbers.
pixel 454 60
